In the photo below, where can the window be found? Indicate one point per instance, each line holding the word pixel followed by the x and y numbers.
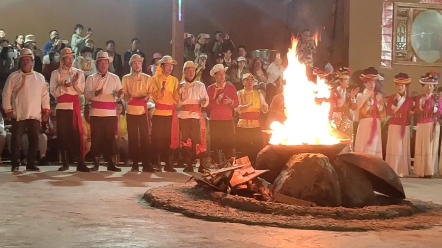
pixel 417 34
pixel 387 34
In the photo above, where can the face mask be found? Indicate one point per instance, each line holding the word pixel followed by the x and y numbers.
pixel 11 55
pixel 88 58
pixel 57 59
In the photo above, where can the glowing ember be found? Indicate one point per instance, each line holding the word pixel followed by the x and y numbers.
pixel 307 122
pixel 316 37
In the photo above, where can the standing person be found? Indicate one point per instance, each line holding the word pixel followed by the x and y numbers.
pixel 341 102
pixel 25 101
pixel 305 49
pixel 135 49
pixel 222 101
pixel 66 84
pixel 165 130
pixel 152 68
pixel 117 63
pixel 251 104
pixel 399 109
pixel 136 91
pixel 78 41
pixel 428 128
pixel 102 89
pixel 370 111
pixel 193 97
pixel 85 62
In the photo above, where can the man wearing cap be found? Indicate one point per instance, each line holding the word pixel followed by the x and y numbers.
pixel 222 101
pixel 399 110
pixel 341 102
pixel 193 97
pixel 136 92
pixel 165 129
pixel 26 103
pixel 249 138
pixel 66 84
pixel 427 133
pixel 369 111
pixel 102 89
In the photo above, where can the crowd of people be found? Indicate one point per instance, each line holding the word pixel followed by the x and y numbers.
pixel 88 101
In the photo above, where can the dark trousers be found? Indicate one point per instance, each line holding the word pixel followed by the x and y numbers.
pixel 161 134
pixel 103 136
pixel 139 139
pixel 33 129
pixel 190 129
pixel 222 137
pixel 249 141
pixel 68 135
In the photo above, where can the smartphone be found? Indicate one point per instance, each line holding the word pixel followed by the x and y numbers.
pixel 189 36
pixel 89 30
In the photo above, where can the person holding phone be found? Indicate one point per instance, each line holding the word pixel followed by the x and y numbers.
pixel 78 41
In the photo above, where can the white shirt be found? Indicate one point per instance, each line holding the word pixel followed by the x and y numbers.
pixel 196 93
pixel 58 77
pixel 110 84
pixel 26 100
pixel 274 73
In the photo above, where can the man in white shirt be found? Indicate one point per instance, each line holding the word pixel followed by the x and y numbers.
pixel 193 97
pixel 66 84
pixel 102 89
pixel 26 102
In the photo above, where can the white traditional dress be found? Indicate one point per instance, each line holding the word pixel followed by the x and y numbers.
pixel 427 136
pixel 369 112
pixel 398 154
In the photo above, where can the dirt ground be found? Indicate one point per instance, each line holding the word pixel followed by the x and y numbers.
pixel 102 209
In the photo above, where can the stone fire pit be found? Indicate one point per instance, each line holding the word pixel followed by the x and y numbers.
pixel 321 190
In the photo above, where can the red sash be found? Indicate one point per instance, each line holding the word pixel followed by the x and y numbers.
pixel 76 118
pixel 196 108
pixel 174 137
pixel 250 116
pixel 139 101
pixel 107 106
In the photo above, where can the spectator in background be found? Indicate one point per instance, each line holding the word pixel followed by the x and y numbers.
pixel 221 43
pixel 201 46
pixel 242 52
pixel 189 47
pixel 274 73
pixel 235 73
pixel 2 34
pixel 30 44
pixel 135 49
pixel 53 34
pixel 90 43
pixel 151 69
pixel 85 62
pixel 78 41
pixel 228 61
pixel 258 70
pixel 3 43
pixel 2 135
pixel 19 42
pixel 117 64
pixel 51 62
pixel 98 51
pixel 6 64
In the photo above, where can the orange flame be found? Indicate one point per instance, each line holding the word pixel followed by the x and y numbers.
pixel 307 122
pixel 316 38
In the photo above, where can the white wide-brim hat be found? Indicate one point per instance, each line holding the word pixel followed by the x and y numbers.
pixel 103 56
pixel 217 68
pixel 25 52
pixel 136 57
pixel 167 60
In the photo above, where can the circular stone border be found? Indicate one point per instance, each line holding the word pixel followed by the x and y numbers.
pixel 202 203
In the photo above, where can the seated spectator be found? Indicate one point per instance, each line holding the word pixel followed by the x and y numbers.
pixel 236 73
pixel 222 43
pixel 85 62
pixel 86 129
pixel 228 61
pixel 2 34
pixel 30 43
pixel 90 43
pixel 258 70
pixel 122 137
pixel 201 46
pixel 151 69
pixel 2 136
pixel 51 62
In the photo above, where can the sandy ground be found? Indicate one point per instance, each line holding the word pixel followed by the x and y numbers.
pixel 102 209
